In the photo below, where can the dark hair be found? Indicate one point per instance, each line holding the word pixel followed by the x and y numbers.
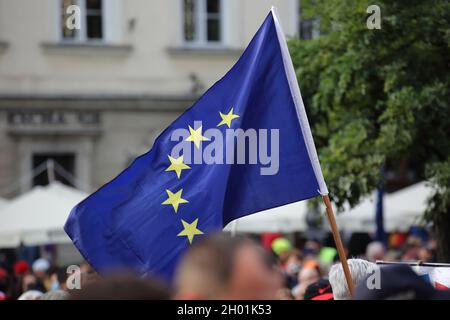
pixel 61 274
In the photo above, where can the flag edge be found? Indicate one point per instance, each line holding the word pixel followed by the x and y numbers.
pixel 299 105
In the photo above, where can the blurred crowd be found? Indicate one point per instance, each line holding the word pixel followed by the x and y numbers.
pixel 225 267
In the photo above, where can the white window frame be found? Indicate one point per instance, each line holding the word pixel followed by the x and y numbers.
pixel 81 35
pixel 201 34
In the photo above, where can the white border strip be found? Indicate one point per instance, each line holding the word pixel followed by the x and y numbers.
pixel 299 106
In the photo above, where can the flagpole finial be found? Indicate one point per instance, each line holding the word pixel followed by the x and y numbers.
pixel 274 10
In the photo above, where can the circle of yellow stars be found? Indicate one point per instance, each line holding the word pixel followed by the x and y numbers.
pixel 177 165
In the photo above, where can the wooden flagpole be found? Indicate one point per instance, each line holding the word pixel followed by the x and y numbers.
pixel 295 91
pixel 338 241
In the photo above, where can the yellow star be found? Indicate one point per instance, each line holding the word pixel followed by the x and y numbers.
pixel 227 118
pixel 175 199
pixel 177 165
pixel 196 136
pixel 190 230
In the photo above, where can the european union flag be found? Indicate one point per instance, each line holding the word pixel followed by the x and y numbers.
pixel 243 147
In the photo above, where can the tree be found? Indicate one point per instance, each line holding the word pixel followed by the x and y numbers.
pixel 378 95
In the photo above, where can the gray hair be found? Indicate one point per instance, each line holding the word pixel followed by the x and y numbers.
pixel 359 270
pixel 30 295
pixel 56 295
pixel 374 251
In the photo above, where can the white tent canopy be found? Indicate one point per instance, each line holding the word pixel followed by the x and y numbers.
pixel 3 203
pixel 288 218
pixel 406 206
pixel 361 218
pixel 401 210
pixel 38 216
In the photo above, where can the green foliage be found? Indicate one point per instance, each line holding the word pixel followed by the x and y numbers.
pixel 373 95
pixel 438 206
pixel 439 177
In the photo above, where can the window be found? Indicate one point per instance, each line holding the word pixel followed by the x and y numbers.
pixel 309 29
pixel 202 22
pixel 91 20
pixel 64 168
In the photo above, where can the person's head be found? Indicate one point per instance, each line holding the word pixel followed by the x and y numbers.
pixel 359 270
pixel 86 268
pixel 40 268
pixel 413 241
pixel 311 248
pixel 29 282
pixel 282 248
pixel 223 267
pixel 31 295
pixel 58 277
pixel 425 255
pixel 319 290
pixel 293 263
pixel 55 295
pixel 375 251
pixel 306 276
pixel 121 287
pixel 392 256
pixel 21 268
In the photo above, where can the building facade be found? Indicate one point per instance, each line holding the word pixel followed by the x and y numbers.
pixel 91 83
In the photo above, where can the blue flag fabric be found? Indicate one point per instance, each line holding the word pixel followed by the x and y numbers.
pixel 150 213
